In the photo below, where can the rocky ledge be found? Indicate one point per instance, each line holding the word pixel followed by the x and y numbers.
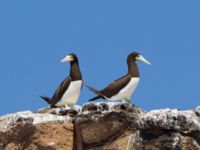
pixel 101 126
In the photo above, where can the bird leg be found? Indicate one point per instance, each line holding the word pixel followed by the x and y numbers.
pixel 66 106
pixel 129 101
pixel 123 100
pixel 126 100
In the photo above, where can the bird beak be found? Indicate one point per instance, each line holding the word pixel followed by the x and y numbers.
pixel 142 59
pixel 67 58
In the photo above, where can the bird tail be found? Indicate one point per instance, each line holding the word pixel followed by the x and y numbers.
pixel 93 90
pixel 47 99
pixel 96 92
pixel 95 98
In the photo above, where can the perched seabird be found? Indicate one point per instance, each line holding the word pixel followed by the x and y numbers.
pixel 122 88
pixel 69 90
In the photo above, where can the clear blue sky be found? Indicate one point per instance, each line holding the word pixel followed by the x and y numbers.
pixel 35 35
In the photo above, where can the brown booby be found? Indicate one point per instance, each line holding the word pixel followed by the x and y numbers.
pixel 122 88
pixel 69 90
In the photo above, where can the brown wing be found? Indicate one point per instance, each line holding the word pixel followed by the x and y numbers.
pixel 116 86
pixel 61 90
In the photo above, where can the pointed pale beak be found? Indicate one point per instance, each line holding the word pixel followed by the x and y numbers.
pixel 142 59
pixel 66 59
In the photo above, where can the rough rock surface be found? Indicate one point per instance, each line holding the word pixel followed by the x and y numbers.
pixel 101 126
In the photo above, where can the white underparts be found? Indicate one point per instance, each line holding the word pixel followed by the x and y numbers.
pixel 127 91
pixel 72 94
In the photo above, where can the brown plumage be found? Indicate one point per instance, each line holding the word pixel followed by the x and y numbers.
pixel 75 75
pixel 116 86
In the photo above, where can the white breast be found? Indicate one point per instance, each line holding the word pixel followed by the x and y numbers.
pixel 73 92
pixel 127 91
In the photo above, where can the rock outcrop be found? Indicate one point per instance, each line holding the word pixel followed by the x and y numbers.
pixel 101 126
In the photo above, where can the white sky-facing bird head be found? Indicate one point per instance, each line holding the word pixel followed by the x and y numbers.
pixel 69 58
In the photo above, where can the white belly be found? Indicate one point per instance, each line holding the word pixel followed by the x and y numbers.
pixel 73 92
pixel 127 91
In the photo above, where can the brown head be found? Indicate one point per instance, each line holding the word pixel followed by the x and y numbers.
pixel 75 72
pixel 71 58
pixel 135 56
